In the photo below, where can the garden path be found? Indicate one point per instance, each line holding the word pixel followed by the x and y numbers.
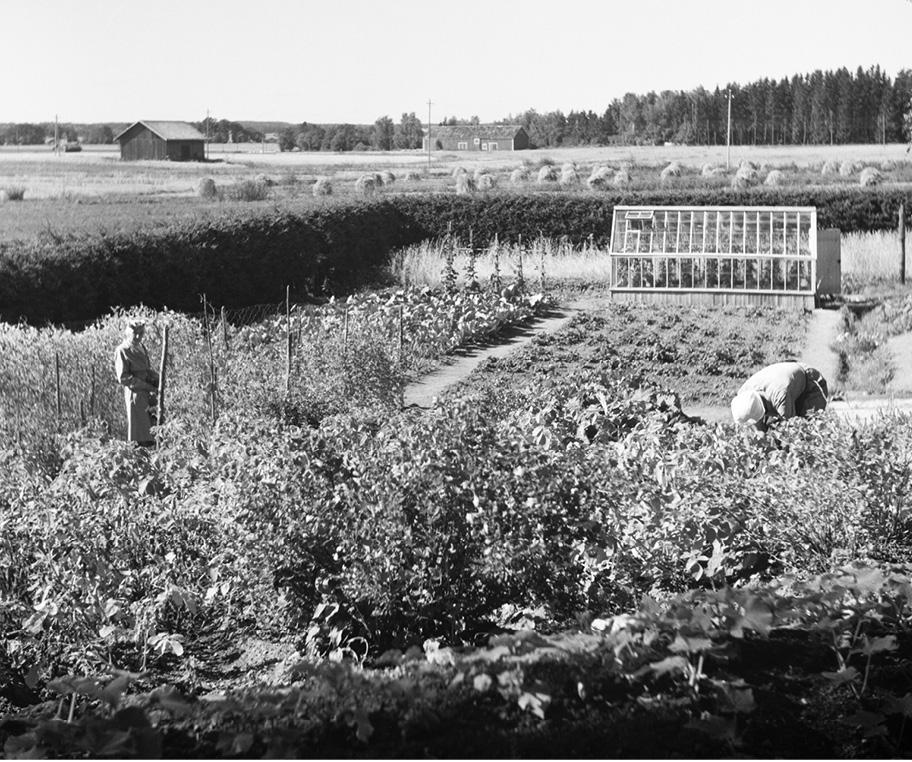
pixel 901 349
pixel 423 391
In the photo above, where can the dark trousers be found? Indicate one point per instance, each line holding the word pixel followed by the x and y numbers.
pixel 815 393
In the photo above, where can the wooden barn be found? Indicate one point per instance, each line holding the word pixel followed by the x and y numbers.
pixel 478 137
pixel 177 141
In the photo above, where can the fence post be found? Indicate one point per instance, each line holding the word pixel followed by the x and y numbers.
pixel 902 242
pixel 287 339
pixel 57 386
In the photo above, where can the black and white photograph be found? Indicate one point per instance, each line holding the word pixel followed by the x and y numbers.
pixel 483 380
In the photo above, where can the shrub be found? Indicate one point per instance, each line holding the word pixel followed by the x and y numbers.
pixel 288 178
pixel 247 190
pixel 322 187
pixel 829 167
pixel 412 176
pixel 366 185
pixel 870 176
pixel 459 171
pixel 775 178
pixel 849 168
pixel 13 193
pixel 207 189
pixel 264 180
pixel 547 174
pixel 387 177
pixel 887 165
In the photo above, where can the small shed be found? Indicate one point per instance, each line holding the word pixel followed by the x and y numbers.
pixel 478 137
pixel 177 141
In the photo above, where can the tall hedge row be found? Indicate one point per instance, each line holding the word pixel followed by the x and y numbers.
pixel 249 259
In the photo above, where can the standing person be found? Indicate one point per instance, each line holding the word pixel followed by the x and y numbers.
pixel 781 390
pixel 140 382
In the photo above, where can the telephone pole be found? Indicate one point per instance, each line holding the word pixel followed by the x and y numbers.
pixel 429 137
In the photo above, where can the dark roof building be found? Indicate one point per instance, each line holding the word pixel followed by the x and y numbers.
pixel 478 137
pixel 177 141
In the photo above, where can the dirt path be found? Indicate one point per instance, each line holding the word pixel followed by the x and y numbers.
pixel 423 391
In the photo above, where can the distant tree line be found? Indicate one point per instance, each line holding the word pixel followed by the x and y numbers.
pixel 819 108
pixel 383 135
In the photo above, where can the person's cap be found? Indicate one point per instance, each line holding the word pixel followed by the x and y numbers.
pixel 136 323
pixel 747 407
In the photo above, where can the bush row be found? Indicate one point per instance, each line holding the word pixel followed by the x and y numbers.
pixel 249 259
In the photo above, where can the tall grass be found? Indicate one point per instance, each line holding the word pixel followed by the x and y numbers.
pixel 871 258
pixel 423 264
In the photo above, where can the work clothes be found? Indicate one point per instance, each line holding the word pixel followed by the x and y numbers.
pixel 140 383
pixel 788 389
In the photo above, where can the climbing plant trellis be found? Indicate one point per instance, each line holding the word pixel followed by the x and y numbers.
pixel 748 255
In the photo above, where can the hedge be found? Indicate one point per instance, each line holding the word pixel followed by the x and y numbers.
pixel 239 260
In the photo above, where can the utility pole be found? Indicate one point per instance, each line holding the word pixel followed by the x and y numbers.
pixel 429 137
pixel 728 135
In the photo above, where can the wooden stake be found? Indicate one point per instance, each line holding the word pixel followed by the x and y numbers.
pixel 287 339
pixel 162 371
pixel 212 406
pixel 902 242
pixel 92 393
pixel 57 385
pixel 224 329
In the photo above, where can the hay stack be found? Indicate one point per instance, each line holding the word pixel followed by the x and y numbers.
pixel 711 170
pixel 486 182
pixel 568 176
pixel 600 177
pixel 207 189
pixel 547 174
pixel 519 175
pixel 387 177
pixel 849 168
pixel 747 174
pixel 465 184
pixel 870 176
pixel 775 178
pixel 621 178
pixel 670 172
pixel 322 187
pixel 366 185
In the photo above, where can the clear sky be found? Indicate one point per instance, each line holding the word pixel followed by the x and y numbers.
pixel 355 60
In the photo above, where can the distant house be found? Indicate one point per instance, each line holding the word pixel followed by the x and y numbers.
pixel 478 137
pixel 177 141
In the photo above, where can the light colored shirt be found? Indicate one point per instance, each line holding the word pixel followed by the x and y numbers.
pixel 781 384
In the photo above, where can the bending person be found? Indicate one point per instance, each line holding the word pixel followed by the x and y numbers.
pixel 140 382
pixel 781 390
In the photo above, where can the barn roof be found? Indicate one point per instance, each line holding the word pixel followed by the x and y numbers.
pixel 485 131
pixel 168 130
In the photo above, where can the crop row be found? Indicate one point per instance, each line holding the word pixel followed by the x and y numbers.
pixel 325 359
